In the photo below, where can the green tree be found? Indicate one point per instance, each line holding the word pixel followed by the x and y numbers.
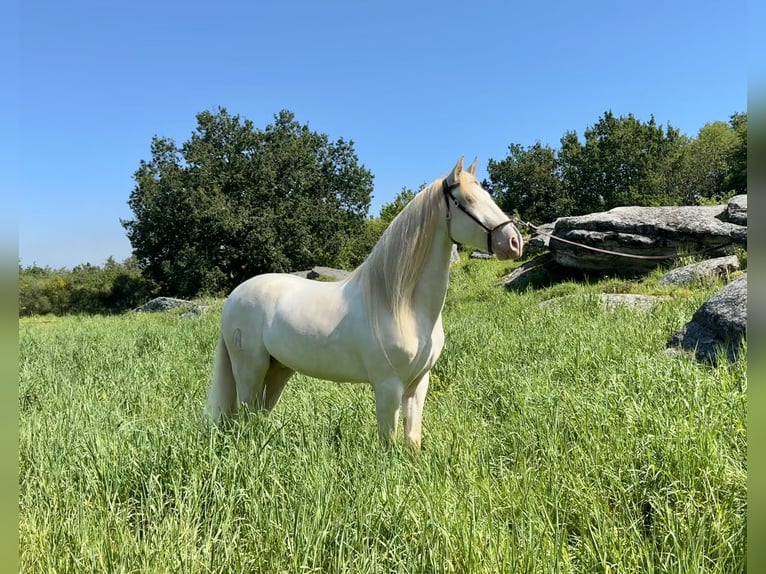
pixel 622 162
pixel 736 181
pixel 528 182
pixel 235 201
pixel 357 251
pixel 389 211
pixel 707 163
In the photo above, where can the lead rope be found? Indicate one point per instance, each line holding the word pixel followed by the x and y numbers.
pixel 617 253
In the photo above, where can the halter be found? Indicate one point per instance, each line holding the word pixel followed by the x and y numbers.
pixel 447 189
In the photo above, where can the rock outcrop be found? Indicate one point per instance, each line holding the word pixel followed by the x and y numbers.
pixel 162 304
pixel 319 272
pixel 718 326
pixel 660 234
pixel 645 231
pixel 707 269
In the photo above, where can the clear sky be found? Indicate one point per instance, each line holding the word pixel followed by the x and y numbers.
pixel 414 84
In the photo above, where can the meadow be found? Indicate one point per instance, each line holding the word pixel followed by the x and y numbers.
pixel 557 438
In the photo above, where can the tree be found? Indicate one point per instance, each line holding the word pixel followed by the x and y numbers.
pixel 622 162
pixel 528 182
pixel 389 211
pixel 736 181
pixel 706 165
pixel 235 201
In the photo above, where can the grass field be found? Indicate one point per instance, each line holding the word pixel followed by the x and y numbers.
pixel 557 438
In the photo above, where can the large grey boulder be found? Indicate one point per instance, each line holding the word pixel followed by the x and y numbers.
pixel 645 231
pixel 538 243
pixel 536 272
pixel 736 210
pixel 719 325
pixel 162 304
pixel 710 268
pixel 336 274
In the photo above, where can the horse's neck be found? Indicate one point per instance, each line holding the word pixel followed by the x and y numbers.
pixel 431 289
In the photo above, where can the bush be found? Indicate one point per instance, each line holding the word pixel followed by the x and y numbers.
pixel 86 289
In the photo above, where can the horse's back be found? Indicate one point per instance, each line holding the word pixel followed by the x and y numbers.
pixel 263 289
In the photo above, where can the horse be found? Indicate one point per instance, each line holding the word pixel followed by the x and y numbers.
pixel 381 325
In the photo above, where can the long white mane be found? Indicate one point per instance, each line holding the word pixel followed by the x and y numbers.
pixel 391 272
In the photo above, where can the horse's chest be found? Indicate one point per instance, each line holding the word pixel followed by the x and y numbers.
pixel 422 354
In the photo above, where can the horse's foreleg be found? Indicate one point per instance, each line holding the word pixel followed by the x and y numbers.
pixel 388 398
pixel 412 407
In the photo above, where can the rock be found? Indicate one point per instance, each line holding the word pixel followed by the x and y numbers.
pixel 196 311
pixel 614 301
pixel 720 324
pixel 710 268
pixel 318 272
pixel 160 304
pixel 539 271
pixel 631 301
pixel 454 256
pixel 539 242
pixel 336 274
pixel 736 210
pixel 645 231
pixel 479 255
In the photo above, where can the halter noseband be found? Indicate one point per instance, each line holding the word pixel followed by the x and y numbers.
pixel 447 189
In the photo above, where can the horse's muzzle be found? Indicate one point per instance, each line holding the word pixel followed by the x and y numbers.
pixel 507 243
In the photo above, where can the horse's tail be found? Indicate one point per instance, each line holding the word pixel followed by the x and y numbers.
pixel 222 397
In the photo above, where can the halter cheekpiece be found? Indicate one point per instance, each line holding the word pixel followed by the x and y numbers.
pixel 447 189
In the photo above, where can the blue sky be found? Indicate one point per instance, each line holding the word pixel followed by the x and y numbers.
pixel 413 84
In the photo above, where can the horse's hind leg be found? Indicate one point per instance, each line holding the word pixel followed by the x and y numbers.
pixel 276 379
pixel 222 397
pixel 250 362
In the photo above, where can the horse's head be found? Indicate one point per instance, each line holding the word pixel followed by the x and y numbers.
pixel 474 218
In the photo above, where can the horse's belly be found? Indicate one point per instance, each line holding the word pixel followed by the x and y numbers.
pixel 317 346
pixel 316 358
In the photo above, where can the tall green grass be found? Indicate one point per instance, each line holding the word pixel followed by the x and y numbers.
pixel 557 438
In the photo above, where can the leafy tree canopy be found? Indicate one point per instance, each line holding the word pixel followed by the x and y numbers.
pixel 389 211
pixel 622 161
pixel 527 182
pixel 234 201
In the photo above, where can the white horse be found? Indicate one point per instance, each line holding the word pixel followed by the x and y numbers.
pixel 381 325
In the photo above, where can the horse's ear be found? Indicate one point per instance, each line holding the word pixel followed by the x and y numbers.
pixel 454 175
pixel 472 169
